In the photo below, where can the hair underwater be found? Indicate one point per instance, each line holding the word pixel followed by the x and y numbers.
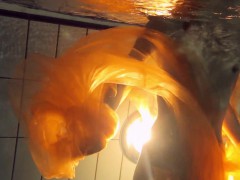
pixel 69 118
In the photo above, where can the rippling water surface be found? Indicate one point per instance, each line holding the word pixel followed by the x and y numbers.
pixel 137 11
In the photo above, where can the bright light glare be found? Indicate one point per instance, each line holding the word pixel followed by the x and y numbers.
pixel 230 177
pixel 158 7
pixel 139 131
pixel 138 134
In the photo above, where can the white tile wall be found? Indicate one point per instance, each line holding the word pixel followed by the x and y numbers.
pixel 24 165
pixel 127 170
pixel 109 162
pixel 51 40
pixel 13 35
pixel 42 38
pixel 87 168
pixel 6 157
pixel 29 89
pixel 8 120
pixel 68 36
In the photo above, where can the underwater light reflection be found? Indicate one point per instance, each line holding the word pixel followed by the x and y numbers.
pixel 138 133
pixel 157 7
pixel 194 103
pixel 230 177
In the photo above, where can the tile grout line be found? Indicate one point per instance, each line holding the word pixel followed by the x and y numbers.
pixel 10 137
pixel 95 176
pixel 58 33
pixel 96 169
pixel 120 175
pixel 21 101
pixel 54 18
pixel 56 54
pixel 19 79
pixel 9 78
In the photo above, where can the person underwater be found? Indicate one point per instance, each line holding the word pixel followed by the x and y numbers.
pixel 72 114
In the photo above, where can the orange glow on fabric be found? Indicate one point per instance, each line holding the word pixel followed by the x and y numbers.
pixel 67 119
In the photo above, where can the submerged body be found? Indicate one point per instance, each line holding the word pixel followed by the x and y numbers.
pixel 69 117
